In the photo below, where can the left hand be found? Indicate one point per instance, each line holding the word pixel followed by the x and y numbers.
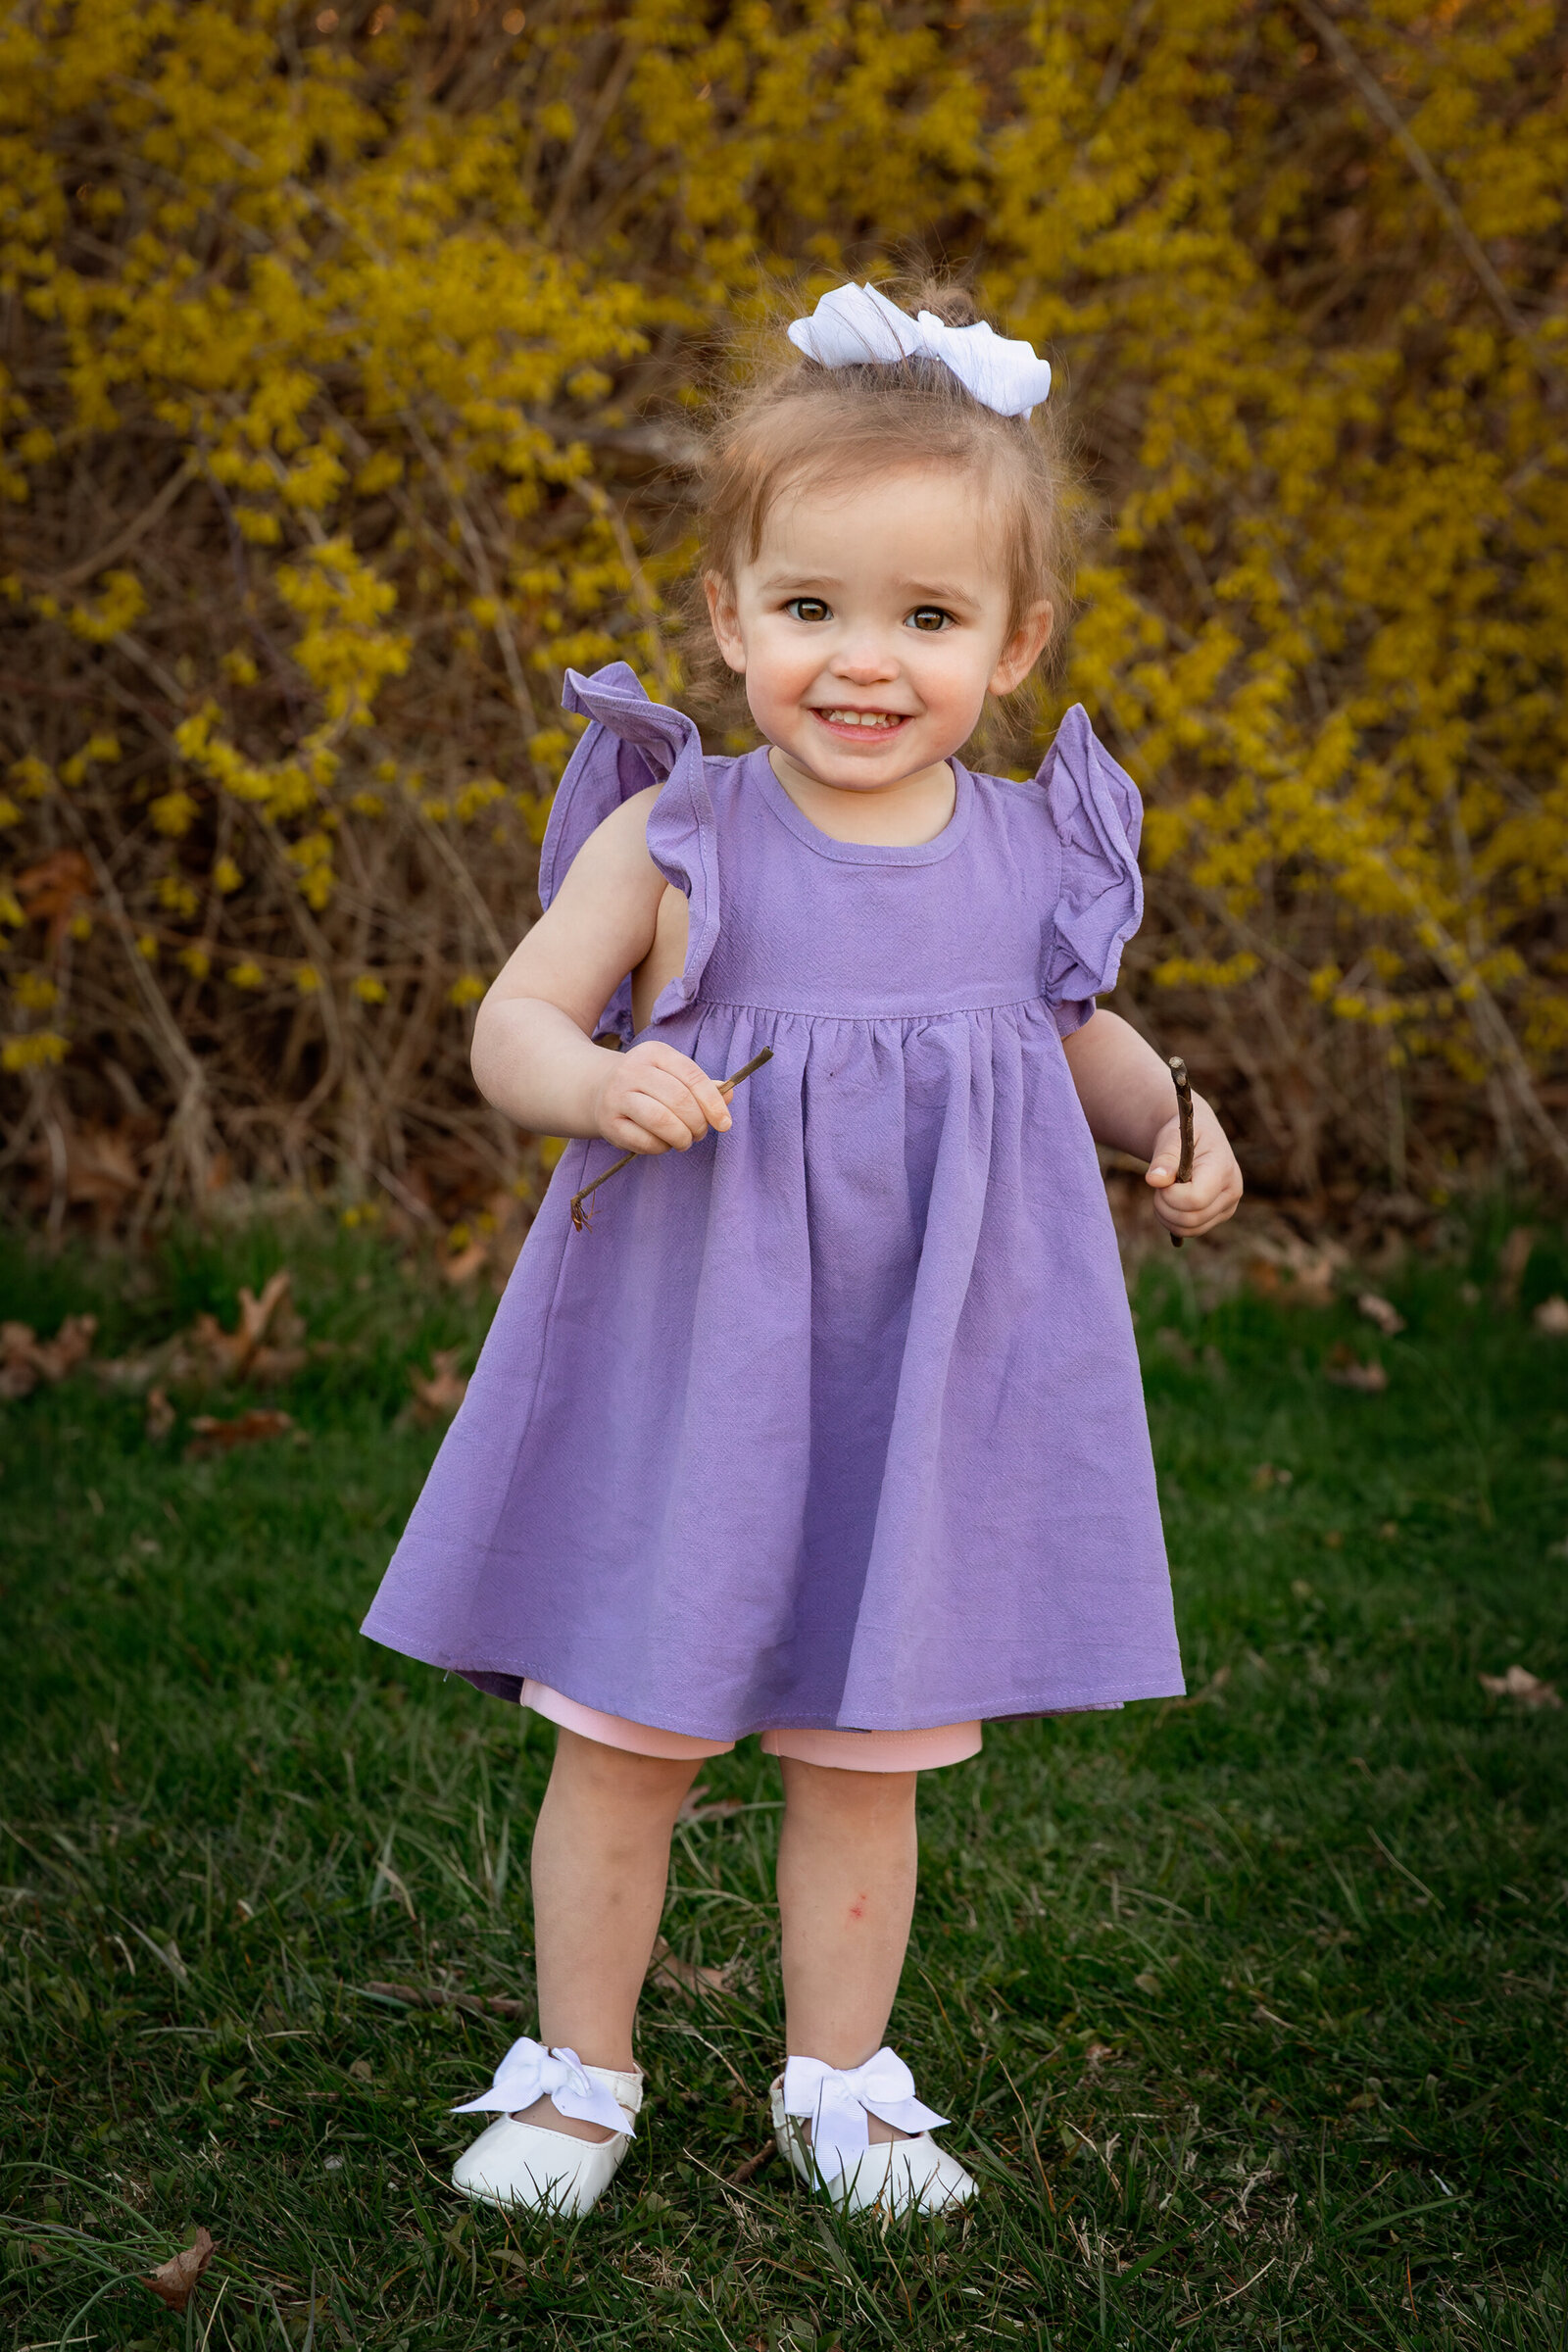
pixel 1215 1187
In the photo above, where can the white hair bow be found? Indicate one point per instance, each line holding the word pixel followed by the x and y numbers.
pixel 855 323
pixel 838 2099
pixel 530 2071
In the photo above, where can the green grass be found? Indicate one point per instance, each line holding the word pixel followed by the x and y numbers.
pixel 1249 2011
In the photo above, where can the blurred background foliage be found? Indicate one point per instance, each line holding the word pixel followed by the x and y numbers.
pixel 352 360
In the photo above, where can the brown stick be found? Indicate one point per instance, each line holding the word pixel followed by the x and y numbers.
pixel 726 1087
pixel 1184 1112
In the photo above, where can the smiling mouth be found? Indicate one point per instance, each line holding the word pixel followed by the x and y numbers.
pixel 841 720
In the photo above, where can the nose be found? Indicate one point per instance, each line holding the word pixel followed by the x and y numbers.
pixel 865 663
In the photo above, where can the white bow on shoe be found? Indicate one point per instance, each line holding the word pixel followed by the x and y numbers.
pixel 530 2072
pixel 894 2177
pixel 529 2166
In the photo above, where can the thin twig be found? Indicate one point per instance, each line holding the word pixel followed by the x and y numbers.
pixel 726 1087
pixel 1184 1112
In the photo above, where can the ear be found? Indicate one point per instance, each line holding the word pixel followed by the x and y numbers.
pixel 1022 651
pixel 726 619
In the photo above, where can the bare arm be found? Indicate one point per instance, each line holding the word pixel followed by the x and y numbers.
pixel 1130 1103
pixel 533 1051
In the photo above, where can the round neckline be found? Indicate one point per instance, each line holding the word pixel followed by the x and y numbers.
pixel 870 853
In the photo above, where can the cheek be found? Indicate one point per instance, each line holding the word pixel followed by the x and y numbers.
pixel 950 673
pixel 780 668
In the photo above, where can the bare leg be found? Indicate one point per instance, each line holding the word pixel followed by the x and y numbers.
pixel 847 1858
pixel 600 1861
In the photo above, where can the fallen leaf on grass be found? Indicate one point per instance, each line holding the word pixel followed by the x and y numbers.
pixel 684 1976
pixel 1512 1259
pixel 1346 1369
pixel 1382 1312
pixel 438 1394
pixel 25 1359
pixel 474 2004
pixel 1520 1684
pixel 160 1416
pixel 692 1808
pixel 210 1436
pixel 465 1266
pixel 174 2281
pixel 264 1344
pixel 1305 1271
pixel 1212 1690
pixel 1551 1317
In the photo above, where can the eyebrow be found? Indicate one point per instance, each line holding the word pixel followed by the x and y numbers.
pixel 919 592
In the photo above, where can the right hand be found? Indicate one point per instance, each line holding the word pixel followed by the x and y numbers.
pixel 653 1099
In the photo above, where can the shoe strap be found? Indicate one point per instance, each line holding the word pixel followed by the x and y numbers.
pixel 626 2090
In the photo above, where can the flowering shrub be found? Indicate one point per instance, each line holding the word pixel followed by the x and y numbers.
pixel 350 369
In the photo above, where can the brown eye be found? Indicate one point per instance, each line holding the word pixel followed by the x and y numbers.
pixel 931 619
pixel 807 608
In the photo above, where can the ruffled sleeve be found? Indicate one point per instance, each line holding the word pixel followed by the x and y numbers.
pixel 634 742
pixel 1097 814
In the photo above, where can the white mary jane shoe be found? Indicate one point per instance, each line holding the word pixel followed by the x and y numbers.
pixel 523 2165
pixel 893 2177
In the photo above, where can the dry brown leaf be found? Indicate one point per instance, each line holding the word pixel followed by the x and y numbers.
pixel 1311 1268
pixel 1512 1259
pixel 174 2281
pixel 465 1266
pixel 691 1807
pixel 49 891
pixel 1521 1685
pixel 160 1416
pixel 684 1976
pixel 94 1167
pixel 1551 1317
pixel 474 2004
pixel 1212 1690
pixel 212 1436
pixel 1347 1371
pixel 25 1359
pixel 263 1346
pixel 438 1394
pixel 1381 1311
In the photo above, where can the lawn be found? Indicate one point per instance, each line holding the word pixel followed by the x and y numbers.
pixel 1250 2009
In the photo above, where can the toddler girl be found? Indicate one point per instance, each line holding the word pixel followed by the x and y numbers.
pixel 829 1425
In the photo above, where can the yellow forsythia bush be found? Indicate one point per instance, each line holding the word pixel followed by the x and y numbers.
pixel 351 361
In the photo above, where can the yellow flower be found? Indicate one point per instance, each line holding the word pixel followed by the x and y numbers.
pixel 369 990
pixel 38 1050
pixel 247 974
pixel 173 812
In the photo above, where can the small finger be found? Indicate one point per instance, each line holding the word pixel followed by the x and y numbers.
pixel 659 1120
pixel 673 1093
pixel 714 1104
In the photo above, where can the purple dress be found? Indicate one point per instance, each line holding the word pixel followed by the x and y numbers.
pixel 834 1420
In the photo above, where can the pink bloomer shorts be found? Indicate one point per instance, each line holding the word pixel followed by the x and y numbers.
pixel 851 1751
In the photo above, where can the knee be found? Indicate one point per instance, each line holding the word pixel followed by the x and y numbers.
pixel 865 1800
pixel 615 1780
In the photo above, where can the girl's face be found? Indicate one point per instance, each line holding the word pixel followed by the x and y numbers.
pixel 872 625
